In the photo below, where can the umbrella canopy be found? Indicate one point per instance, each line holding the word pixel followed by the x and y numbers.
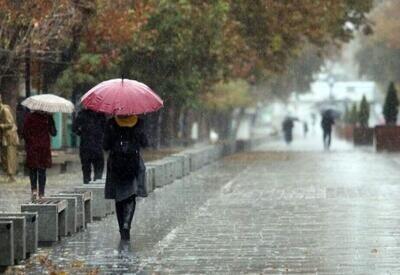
pixel 48 103
pixel 331 113
pixel 122 97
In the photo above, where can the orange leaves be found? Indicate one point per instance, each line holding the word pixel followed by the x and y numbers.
pixel 227 96
pixel 387 24
pixel 41 25
pixel 115 23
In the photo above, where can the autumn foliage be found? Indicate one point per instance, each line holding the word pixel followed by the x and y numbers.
pixel 379 54
pixel 186 50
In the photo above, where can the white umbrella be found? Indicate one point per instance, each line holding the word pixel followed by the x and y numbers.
pixel 48 103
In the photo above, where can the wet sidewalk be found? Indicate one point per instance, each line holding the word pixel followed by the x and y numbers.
pixel 272 211
pixel 311 142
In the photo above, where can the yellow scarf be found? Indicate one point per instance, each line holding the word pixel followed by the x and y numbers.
pixel 128 121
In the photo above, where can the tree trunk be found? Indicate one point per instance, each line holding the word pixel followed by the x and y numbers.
pixel 238 121
pixel 152 127
pixel 28 73
pixel 167 127
pixel 188 118
pixel 10 93
pixel 176 123
pixel 204 126
pixel 223 124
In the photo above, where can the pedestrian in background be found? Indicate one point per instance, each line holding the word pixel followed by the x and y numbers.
pixel 89 125
pixel 326 123
pixel 124 136
pixel 305 128
pixel 9 141
pixel 287 128
pixel 38 127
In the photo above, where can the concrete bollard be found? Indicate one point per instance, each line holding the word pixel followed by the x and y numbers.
pixel 160 171
pixel 19 228
pixel 195 160
pixel 178 162
pixel 32 231
pixel 219 151
pixel 110 206
pixel 150 185
pixel 84 209
pixel 185 161
pixel 170 169
pixel 228 148
pixel 71 212
pixel 52 218
pixel 7 243
pixel 100 206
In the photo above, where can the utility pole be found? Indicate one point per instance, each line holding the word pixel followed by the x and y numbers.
pixel 331 83
pixel 28 72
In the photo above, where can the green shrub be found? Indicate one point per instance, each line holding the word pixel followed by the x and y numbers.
pixel 363 114
pixel 391 106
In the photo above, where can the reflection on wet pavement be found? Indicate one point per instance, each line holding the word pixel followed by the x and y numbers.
pixel 269 211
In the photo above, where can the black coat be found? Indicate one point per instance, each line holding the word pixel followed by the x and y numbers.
pixel 327 122
pixel 125 166
pixel 287 125
pixel 89 125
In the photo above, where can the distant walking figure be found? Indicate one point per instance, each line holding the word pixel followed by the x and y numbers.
pixel 287 128
pixel 90 125
pixel 8 141
pixel 326 124
pixel 38 127
pixel 305 128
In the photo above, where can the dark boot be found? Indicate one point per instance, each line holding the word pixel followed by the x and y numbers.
pixel 86 165
pixel 129 210
pixel 125 235
pixel 98 166
pixel 119 212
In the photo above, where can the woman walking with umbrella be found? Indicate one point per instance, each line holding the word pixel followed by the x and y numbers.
pixel 38 127
pixel 123 138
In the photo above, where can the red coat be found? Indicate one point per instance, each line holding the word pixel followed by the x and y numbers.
pixel 36 131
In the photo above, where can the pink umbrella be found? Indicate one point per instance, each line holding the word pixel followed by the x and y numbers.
pixel 122 97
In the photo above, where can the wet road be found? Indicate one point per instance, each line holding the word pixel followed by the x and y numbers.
pixel 272 211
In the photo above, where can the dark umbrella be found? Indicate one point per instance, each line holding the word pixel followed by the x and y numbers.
pixel 331 113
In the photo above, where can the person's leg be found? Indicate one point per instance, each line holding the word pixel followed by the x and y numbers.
pixel 129 210
pixel 86 165
pixel 11 162
pixel 98 165
pixel 119 211
pixel 42 181
pixel 33 178
pixel 3 156
pixel 324 138
pixel 329 138
pixel 287 138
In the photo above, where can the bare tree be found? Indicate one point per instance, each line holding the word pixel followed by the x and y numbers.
pixel 42 29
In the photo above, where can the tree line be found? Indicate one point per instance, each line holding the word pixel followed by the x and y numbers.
pixel 379 54
pixel 206 59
